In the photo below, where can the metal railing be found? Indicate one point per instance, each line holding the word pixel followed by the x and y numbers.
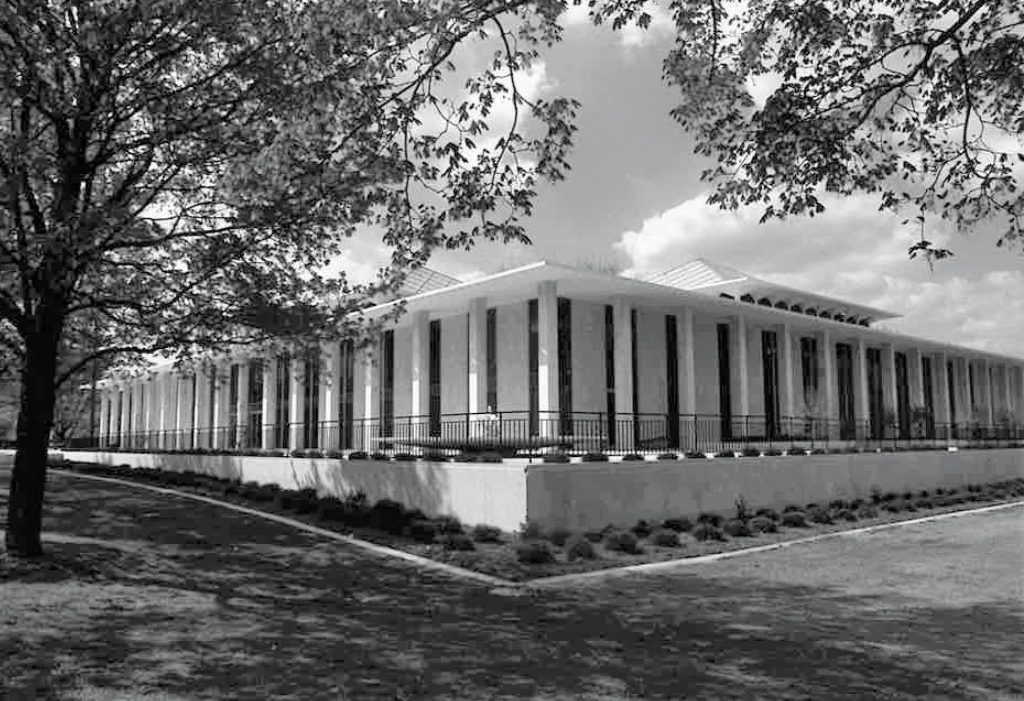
pixel 577 433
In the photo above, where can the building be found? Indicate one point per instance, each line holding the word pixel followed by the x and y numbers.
pixel 700 358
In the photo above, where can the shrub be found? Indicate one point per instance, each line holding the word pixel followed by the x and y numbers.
pixel 556 458
pixel 358 455
pixel 422 530
pixel 595 457
pixel 285 499
pixel 668 456
pixel 490 458
pixel 448 525
pixel 742 509
pixel 796 451
pixel 889 497
pixel 330 509
pixel 924 494
pixel 856 504
pixel 737 528
pixel 622 542
pixel 632 457
pixel 794 519
pixel 579 548
pixel 558 536
pixel 482 533
pixel 379 456
pixel 892 507
pixel 789 508
pixel 696 455
pixel 534 552
pixel 846 515
pixel 665 538
pixel 767 513
pixel 530 530
pixel 867 511
pixel 389 516
pixel 708 531
pixel 924 503
pixel 642 529
pixel 710 519
pixel 820 515
pixel 594 536
pixel 679 525
pixel 772 453
pixel 751 453
pixel 457 541
pixel 404 457
pixel 763 524
pixel 335 454
pixel 838 504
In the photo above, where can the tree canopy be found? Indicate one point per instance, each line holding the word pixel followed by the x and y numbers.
pixel 918 101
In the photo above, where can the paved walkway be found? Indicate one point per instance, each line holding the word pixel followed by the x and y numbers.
pixel 150 597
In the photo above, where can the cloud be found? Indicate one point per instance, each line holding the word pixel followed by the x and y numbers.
pixel 852 252
pixel 631 36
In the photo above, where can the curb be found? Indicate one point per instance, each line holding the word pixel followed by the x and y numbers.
pixel 422 562
pixel 654 567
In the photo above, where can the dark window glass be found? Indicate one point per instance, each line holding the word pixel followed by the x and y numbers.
pixel 434 379
pixel 902 395
pixel 255 404
pixel 346 392
pixel 492 360
pixel 233 406
pixel 387 383
pixel 724 381
pixel 609 370
pixel 311 400
pixel 533 371
pixel 970 386
pixel 211 399
pixel 282 423
pixel 929 397
pixel 635 372
pixel 809 372
pixel 951 390
pixel 876 402
pixel 131 415
pixel 564 342
pixel 845 391
pixel 672 378
pixel 770 372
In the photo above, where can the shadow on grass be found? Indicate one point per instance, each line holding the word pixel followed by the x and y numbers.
pixel 192 601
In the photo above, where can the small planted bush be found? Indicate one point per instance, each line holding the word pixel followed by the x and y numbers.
pixel 867 511
pixel 846 515
pixel 595 457
pixel 642 529
pixel 820 515
pixel 530 530
pixel 665 538
pixel 763 524
pixel 791 507
pixel 449 525
pixel 559 536
pixel 331 509
pixel 423 530
pixel 622 542
pixel 771 514
pixel 632 457
pixel 707 532
pixel 751 453
pixel 772 452
pixel 794 519
pixel 457 541
pixel 579 548
pixel 710 519
pixel 696 455
pixel 389 516
pixel 379 456
pixel 594 536
pixel 679 525
pixel 482 533
pixel 742 509
pixel 556 458
pixel 924 503
pixel 737 528
pixel 668 456
pixel 358 455
pixel 534 552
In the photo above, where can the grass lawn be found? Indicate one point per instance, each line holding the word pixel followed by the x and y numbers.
pixel 148 597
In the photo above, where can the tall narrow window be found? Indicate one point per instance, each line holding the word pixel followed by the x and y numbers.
pixel 131 418
pixel 346 393
pixel 282 420
pixel 770 372
pixel 233 406
pixel 951 390
pixel 211 409
pixel 844 388
pixel 564 342
pixel 532 368
pixel 902 395
pixel 724 379
pixel 876 405
pixel 255 404
pixel 929 397
pixel 492 360
pixel 120 411
pixel 809 373
pixel 387 383
pixel 311 399
pixel 672 379
pixel 970 387
pixel 609 370
pixel 635 372
pixel 194 413
pixel 434 379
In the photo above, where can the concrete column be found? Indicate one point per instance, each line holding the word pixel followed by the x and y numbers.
pixel 787 387
pixel 101 432
pixel 1012 393
pixel 477 365
pixel 201 411
pixel 687 373
pixel 218 431
pixel 889 378
pixel 420 364
pixel 365 359
pixel 862 399
pixel 330 394
pixel 943 415
pixel 547 357
pixel 740 362
pixel 915 380
pixel 987 408
pixel 182 410
pixel 963 386
pixel 296 403
pixel 624 426
pixel 269 403
pixel 242 403
pixel 827 376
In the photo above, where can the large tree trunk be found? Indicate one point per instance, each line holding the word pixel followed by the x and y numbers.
pixel 35 419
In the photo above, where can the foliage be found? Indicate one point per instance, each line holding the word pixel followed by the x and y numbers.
pixel 794 519
pixel 737 528
pixel 531 530
pixel 534 552
pixel 707 517
pixel 449 524
pixel 595 457
pixel 708 531
pixel 642 529
pixel 555 458
pixel 422 530
pixel 457 541
pixel 767 513
pixel 742 509
pixel 665 538
pixel 820 514
pixel 579 548
pixel 679 525
pixel 558 536
pixel 482 533
pixel 763 524
pixel 622 542
pixel 389 516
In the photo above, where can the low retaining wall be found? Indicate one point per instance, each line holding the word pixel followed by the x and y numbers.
pixel 591 495
pixel 475 492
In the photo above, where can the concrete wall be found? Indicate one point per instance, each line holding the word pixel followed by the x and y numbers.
pixel 403 371
pixel 477 493
pixel 651 365
pixel 705 359
pixel 454 364
pixel 590 495
pixel 589 384
pixel 513 357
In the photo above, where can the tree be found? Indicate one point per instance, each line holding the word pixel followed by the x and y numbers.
pixel 174 175
pixel 918 101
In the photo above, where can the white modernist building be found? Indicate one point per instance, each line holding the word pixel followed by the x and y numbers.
pixel 702 357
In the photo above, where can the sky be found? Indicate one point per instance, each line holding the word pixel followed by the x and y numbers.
pixel 634 198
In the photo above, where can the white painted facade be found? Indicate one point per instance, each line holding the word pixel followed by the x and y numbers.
pixel 834 380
